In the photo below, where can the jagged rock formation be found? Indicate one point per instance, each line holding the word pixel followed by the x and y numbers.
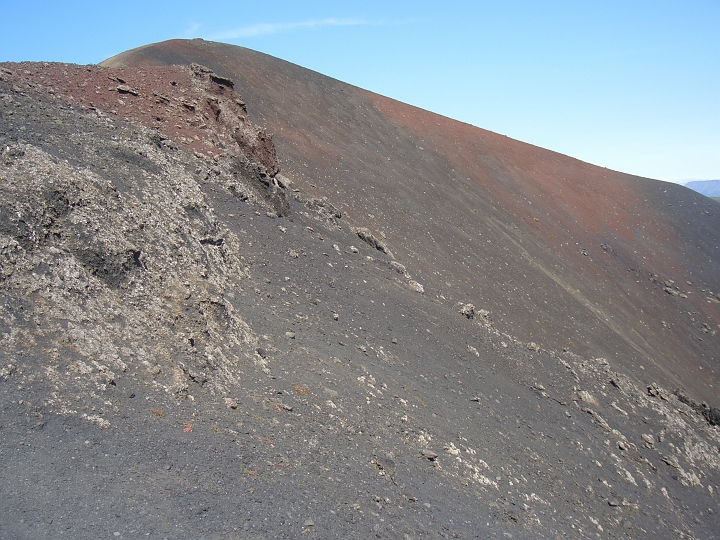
pixel 196 342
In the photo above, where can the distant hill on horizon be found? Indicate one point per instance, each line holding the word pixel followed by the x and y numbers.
pixel 709 188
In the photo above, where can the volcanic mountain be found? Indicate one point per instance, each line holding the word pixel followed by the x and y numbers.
pixel 563 253
pixel 240 299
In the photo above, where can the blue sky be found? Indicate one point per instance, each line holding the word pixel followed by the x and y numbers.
pixel 629 85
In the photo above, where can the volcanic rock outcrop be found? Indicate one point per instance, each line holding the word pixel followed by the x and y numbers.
pixel 376 322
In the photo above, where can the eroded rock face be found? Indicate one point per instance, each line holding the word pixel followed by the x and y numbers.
pixel 122 231
pixel 178 331
pixel 190 106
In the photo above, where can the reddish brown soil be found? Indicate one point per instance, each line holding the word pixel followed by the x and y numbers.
pixel 182 105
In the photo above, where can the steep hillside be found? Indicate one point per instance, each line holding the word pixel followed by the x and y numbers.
pixel 210 332
pixel 565 254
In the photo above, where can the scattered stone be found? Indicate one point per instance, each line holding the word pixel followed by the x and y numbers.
pixel 468 310
pixel 231 403
pixel 415 286
pixel 283 181
pixel 309 523
pixel 399 268
pixel 322 208
pixel 290 335
pixel 655 391
pixel 125 89
pixel 532 346
pixel 712 415
pixel 428 455
pixel 541 389
pixel 370 239
pixel 224 81
pixel 588 398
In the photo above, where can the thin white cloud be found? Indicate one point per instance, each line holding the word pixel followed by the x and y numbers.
pixel 192 29
pixel 265 29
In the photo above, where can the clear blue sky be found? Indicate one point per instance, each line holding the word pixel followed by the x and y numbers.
pixel 629 85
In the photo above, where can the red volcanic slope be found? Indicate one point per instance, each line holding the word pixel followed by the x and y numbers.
pixel 563 253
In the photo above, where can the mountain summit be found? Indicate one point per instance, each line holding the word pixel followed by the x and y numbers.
pixel 240 299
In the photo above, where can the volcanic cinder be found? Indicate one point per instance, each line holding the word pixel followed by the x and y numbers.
pixel 239 299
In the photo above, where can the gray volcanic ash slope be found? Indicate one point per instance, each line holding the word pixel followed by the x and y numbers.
pixel 197 343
